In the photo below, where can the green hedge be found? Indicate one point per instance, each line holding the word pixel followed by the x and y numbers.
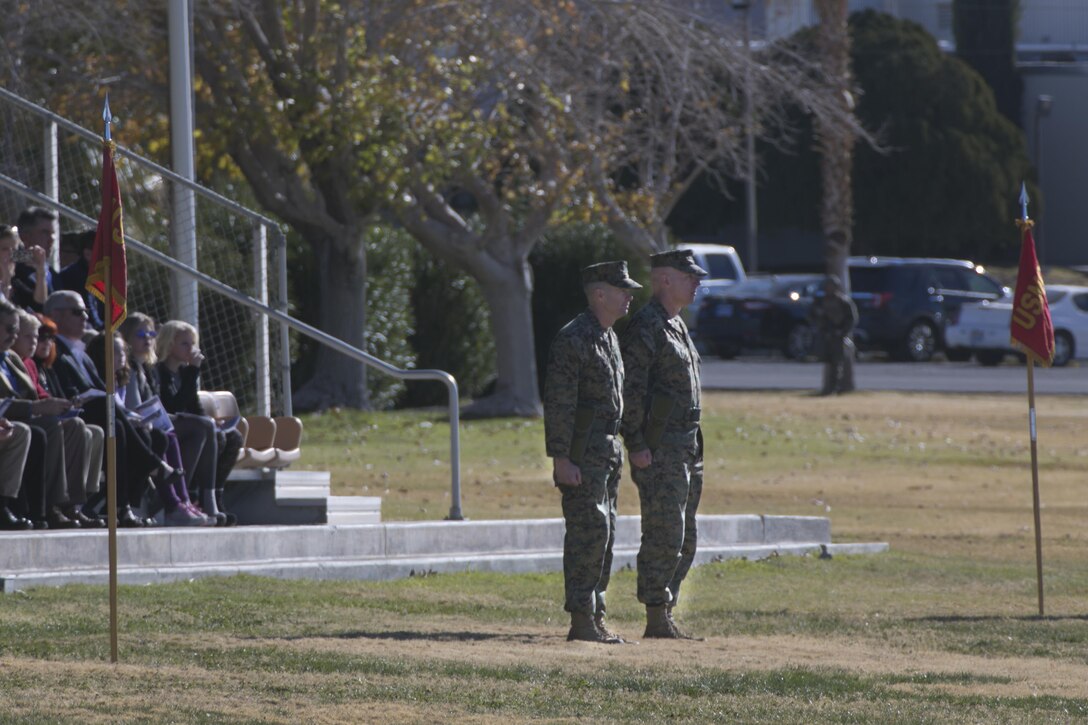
pixel 452 332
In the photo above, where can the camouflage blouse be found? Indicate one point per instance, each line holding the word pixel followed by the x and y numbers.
pixel 585 370
pixel 661 362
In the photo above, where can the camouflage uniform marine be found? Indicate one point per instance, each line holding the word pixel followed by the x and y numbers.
pixel 661 413
pixel 835 315
pixel 583 403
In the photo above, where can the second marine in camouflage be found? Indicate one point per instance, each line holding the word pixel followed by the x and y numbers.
pixel 660 428
pixel 583 404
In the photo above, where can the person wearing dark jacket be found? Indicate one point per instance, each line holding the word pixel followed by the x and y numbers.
pixel 44 486
pixel 78 374
pixel 178 372
pixel 191 442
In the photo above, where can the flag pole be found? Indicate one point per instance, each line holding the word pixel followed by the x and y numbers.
pixel 111 436
pixel 1031 426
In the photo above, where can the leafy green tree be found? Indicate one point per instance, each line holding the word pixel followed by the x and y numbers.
pixel 948 182
pixel 985 35
pixel 945 177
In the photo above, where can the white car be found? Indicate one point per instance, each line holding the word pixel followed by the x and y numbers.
pixel 983 328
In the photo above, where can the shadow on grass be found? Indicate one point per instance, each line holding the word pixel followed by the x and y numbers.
pixel 406 636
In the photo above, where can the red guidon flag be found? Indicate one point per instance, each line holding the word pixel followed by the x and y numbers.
pixel 1031 328
pixel 109 247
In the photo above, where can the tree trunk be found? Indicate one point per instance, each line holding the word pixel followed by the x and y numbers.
pixel 836 144
pixel 509 294
pixel 339 381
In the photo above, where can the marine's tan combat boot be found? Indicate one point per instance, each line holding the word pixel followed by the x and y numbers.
pixel 584 629
pixel 658 625
pixel 679 633
pixel 610 636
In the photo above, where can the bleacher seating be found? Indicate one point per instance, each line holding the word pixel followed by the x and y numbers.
pixel 267 442
pixel 288 441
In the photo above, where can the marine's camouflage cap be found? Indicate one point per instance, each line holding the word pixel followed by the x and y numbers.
pixel 681 259
pixel 613 273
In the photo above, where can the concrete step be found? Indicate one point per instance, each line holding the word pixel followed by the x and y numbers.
pixel 264 496
pixel 302 488
pixel 371 551
pixel 347 510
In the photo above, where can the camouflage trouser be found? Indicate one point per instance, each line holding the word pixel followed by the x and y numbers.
pixel 839 367
pixel 668 491
pixel 590 513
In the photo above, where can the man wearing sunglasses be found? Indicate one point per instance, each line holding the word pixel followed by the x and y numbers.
pixel 78 374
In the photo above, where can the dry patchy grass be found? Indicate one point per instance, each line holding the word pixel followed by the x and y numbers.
pixel 925 472
pixel 939 630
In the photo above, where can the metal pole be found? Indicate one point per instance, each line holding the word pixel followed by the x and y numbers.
pixel 750 143
pixel 1043 104
pixel 285 331
pixel 1035 483
pixel 52 181
pixel 260 285
pixel 183 223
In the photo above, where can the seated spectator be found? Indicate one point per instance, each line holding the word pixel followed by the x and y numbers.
pixel 77 374
pixel 75 260
pixel 44 356
pixel 182 434
pixel 178 372
pixel 14 448
pixel 9 242
pixel 33 281
pixel 44 487
pixel 83 473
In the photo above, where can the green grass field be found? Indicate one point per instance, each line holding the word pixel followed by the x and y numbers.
pixel 944 628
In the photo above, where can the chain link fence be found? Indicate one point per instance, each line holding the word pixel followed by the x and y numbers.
pixel 60 166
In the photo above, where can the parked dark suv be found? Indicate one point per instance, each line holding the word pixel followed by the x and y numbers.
pixel 903 303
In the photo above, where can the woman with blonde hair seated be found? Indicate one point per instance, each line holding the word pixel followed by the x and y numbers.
pixel 192 440
pixel 178 371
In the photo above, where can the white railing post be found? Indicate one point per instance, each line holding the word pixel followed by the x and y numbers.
pixel 285 331
pixel 260 286
pixel 52 181
pixel 183 223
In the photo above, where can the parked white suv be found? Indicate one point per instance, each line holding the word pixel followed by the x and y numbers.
pixel 725 269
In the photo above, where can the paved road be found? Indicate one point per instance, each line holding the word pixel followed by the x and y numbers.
pixel 757 373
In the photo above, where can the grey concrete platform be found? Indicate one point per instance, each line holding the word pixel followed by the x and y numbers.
pixel 263 496
pixel 373 551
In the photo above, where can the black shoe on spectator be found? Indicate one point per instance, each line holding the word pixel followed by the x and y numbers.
pixel 11 522
pixel 57 520
pixel 128 520
pixel 75 513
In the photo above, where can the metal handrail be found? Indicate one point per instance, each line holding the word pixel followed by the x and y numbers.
pixel 300 327
pixel 144 161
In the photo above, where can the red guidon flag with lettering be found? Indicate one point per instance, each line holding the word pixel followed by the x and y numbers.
pixel 1031 328
pixel 109 247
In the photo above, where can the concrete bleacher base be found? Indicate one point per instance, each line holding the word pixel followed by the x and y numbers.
pixel 294 497
pixel 373 551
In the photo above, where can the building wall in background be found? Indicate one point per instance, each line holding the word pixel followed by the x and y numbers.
pixel 1063 151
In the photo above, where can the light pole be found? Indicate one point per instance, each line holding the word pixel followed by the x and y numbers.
pixel 1043 104
pixel 750 142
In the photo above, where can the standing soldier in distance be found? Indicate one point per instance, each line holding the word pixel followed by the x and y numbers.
pixel 834 314
pixel 661 431
pixel 583 404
